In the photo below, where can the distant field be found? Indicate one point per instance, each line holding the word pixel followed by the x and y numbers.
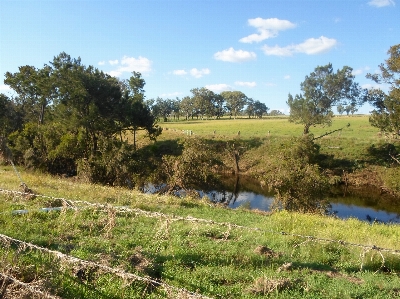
pixel 280 126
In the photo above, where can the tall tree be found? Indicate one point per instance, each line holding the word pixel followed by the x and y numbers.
pixel 235 101
pixel 34 88
pixel 260 109
pixel 91 97
pixel 204 101
pixel 386 115
pixel 187 107
pixel 323 89
pixel 137 114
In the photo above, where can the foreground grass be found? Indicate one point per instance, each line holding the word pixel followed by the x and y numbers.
pixel 214 259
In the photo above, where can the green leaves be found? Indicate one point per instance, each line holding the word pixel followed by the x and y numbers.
pixel 323 89
pixel 386 115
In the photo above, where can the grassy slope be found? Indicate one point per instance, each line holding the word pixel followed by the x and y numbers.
pixel 214 260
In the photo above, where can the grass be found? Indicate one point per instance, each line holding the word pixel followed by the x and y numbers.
pixel 224 257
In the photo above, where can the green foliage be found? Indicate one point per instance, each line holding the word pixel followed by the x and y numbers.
pixel 192 168
pixel 323 89
pixel 9 120
pixel 235 101
pixel 299 185
pixel 83 107
pixel 386 115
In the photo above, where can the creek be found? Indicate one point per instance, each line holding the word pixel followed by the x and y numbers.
pixel 366 204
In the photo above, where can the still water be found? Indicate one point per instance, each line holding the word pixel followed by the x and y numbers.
pixel 363 204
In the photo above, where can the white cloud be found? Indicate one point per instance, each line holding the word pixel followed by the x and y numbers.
pixel 179 72
pixel 218 87
pixel 4 87
pixel 101 62
pixel 170 95
pixel 360 71
pixel 199 73
pixel 113 62
pixel 382 3
pixel 232 55
pixel 246 84
pixel 287 77
pixel 310 46
pixel 267 28
pixel 270 84
pixel 130 64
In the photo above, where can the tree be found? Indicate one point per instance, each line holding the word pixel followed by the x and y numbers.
pixel 250 107
pixel 276 113
pixel 299 184
pixel 162 108
pixel 137 114
pixel 34 88
pixel 92 99
pixel 235 101
pixel 386 115
pixel 340 109
pixel 323 89
pixel 8 116
pixel 204 101
pixel 187 107
pixel 260 109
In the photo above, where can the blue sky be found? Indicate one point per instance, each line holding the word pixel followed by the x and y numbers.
pixel 260 47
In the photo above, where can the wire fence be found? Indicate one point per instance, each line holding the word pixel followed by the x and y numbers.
pixel 12 285
pixel 74 203
pixel 126 276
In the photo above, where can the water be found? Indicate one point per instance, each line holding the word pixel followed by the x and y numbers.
pixel 363 204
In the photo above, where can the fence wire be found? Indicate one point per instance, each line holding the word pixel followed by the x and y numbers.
pixel 73 203
pixel 126 276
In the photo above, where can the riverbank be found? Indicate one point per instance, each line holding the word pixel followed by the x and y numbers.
pixel 132 245
pixel 356 155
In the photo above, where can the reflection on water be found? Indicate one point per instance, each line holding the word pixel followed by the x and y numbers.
pixel 364 205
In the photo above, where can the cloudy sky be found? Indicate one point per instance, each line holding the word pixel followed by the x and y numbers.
pixel 263 48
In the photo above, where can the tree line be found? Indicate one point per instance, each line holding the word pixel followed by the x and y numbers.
pixel 205 104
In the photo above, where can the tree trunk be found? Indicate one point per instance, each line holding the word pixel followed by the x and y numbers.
pixel 306 129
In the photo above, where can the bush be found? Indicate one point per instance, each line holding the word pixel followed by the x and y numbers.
pixel 298 184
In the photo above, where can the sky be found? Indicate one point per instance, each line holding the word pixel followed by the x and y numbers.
pixel 264 48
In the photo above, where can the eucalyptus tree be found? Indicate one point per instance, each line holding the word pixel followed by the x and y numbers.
pixel 250 108
pixel 260 109
pixel 162 108
pixel 204 102
pixel 235 101
pixel 323 89
pixel 219 104
pixel 386 115
pixel 340 109
pixel 186 107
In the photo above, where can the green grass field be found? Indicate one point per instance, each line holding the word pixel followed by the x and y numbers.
pixel 133 245
pixel 277 126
